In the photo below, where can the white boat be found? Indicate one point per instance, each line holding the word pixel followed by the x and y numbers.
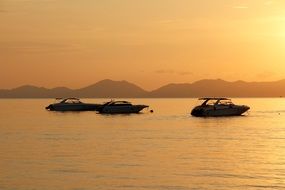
pixel 71 104
pixel 215 107
pixel 120 107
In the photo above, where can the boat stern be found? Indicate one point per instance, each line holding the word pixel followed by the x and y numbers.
pixel 198 111
pixel 50 107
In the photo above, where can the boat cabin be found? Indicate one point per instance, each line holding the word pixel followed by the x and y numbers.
pixel 118 103
pixel 216 101
pixel 68 100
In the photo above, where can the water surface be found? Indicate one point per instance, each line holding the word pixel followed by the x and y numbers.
pixel 167 149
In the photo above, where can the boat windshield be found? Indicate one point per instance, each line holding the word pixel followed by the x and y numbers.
pixel 209 102
pixel 71 101
pixel 120 103
pixel 225 102
pixel 214 101
pixel 58 100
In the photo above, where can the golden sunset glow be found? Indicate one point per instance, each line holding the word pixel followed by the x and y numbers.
pixel 149 42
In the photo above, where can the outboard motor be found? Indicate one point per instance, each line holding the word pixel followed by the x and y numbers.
pixel 50 107
pixel 198 111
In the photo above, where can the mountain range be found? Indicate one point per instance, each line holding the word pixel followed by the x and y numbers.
pixel 123 89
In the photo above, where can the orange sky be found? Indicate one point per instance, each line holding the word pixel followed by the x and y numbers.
pixel 75 43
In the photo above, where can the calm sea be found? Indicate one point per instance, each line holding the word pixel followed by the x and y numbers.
pixel 164 150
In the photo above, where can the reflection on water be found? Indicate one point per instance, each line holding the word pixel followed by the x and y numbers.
pixel 167 149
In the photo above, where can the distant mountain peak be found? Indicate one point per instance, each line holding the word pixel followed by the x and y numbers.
pixel 110 82
pixel 210 82
pixel 111 89
pixel 240 81
pixel 105 80
pixel 28 87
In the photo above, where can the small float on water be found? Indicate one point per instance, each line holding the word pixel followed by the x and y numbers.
pixel 217 107
pixel 120 107
pixel 71 104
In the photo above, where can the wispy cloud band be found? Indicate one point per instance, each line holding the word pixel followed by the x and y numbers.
pixel 240 7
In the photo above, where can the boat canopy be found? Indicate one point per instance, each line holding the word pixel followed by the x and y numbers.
pixel 214 98
pixel 68 100
pixel 119 103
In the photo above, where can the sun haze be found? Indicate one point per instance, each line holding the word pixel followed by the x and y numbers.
pixel 151 42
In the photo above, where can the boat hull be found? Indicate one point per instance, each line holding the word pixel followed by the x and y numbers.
pixel 201 111
pixel 73 107
pixel 122 109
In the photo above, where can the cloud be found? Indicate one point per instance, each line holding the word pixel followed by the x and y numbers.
pixel 240 7
pixel 24 1
pixel 172 72
pixel 35 47
pixel 169 21
pixel 268 3
pixel 185 73
pixel 265 75
pixel 161 71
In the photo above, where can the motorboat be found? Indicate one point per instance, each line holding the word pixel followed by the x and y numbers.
pixel 71 104
pixel 120 107
pixel 215 107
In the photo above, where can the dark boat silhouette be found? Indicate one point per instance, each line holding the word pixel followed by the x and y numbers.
pixel 215 107
pixel 72 104
pixel 120 107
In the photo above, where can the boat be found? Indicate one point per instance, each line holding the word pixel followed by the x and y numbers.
pixel 71 104
pixel 215 107
pixel 120 107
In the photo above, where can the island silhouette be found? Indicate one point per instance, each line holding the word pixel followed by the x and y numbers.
pixel 123 89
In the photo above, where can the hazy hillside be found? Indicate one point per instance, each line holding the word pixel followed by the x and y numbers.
pixel 104 88
pixel 214 88
pixel 111 89
pixel 124 89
